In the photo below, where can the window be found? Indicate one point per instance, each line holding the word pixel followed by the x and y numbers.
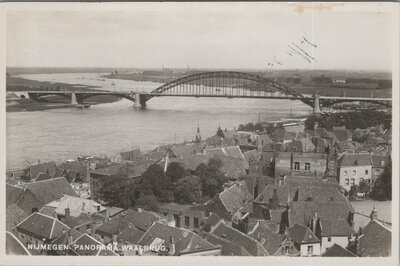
pixel 87 226
pixel 196 222
pixel 307 167
pixel 329 239
pixel 382 163
pixel 187 221
pixel 366 172
pixel 361 180
pixel 346 181
pixel 377 172
pixel 296 166
pixel 353 181
pixel 345 173
pixel 354 172
pixel 309 250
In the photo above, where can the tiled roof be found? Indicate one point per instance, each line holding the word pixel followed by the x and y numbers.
pixel 333 216
pixel 185 240
pixel 130 234
pixel 49 190
pixel 377 160
pixel 142 219
pixel 300 189
pixel 113 226
pixel 42 226
pixel 14 215
pixel 78 246
pixel 131 155
pixel 187 149
pixel 341 135
pixel 228 248
pixel 34 170
pixel 376 240
pixel 77 167
pixel 360 159
pixel 302 234
pixel 250 244
pixel 235 197
pixel 233 168
pixel 108 170
pixel 14 246
pixel 42 177
pixel 270 240
pixel 337 251
pixel 191 162
pixel 228 151
pixel 13 193
pixel 76 205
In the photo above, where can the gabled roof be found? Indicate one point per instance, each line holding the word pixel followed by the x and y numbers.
pixel 250 244
pixel 42 226
pixel 228 248
pixel 375 241
pixel 78 246
pixel 130 234
pixel 235 197
pixel 186 149
pixel 77 167
pixel 49 190
pixel 302 234
pixel 42 177
pixel 333 216
pixel 185 240
pixel 337 251
pixel 378 159
pixel 142 219
pixel 191 162
pixel 34 170
pixel 233 168
pixel 270 240
pixel 76 205
pixel 358 159
pixel 228 151
pixel 112 227
pixel 131 155
pixel 13 193
pixel 14 215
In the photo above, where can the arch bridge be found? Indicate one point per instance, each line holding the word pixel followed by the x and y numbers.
pixel 226 84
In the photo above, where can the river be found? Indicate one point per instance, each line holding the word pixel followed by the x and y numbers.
pixel 106 129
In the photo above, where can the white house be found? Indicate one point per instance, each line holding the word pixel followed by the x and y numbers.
pixel 354 168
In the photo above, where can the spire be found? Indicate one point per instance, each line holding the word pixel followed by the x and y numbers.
pixel 198 136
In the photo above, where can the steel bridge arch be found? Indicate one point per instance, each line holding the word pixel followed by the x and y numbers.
pixel 268 83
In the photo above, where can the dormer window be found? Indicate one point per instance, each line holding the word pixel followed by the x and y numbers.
pixel 382 163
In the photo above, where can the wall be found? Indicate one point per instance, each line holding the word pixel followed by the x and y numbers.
pixel 283 165
pixel 360 173
pixel 342 241
pixel 316 249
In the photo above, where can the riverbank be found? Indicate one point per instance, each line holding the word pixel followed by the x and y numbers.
pixel 139 77
pixel 17 84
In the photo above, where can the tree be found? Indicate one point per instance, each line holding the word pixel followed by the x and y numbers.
pixel 382 189
pixel 154 182
pixel 364 187
pixel 116 191
pixel 175 171
pixel 147 202
pixel 353 192
pixel 188 190
pixel 211 176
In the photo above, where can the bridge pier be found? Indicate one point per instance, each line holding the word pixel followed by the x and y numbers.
pixel 73 99
pixel 317 109
pixel 140 101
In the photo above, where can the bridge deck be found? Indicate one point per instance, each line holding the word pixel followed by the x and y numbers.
pixel 254 94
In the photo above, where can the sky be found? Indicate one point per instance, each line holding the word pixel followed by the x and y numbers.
pixel 201 35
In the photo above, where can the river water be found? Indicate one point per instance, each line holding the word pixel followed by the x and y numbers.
pixel 106 129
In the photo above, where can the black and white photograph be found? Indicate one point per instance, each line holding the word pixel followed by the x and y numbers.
pixel 179 129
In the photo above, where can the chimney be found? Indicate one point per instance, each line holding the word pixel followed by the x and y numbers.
pixel 69 238
pixel 114 239
pixel 139 209
pixel 374 214
pixel 171 246
pixel 67 213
